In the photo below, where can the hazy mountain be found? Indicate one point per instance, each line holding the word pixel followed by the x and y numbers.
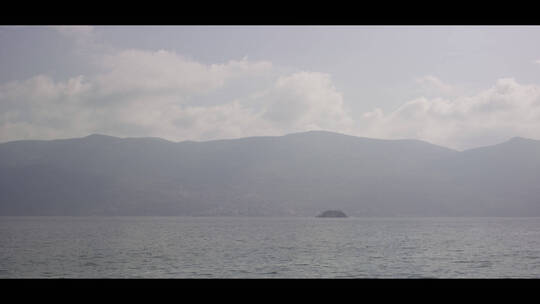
pixel 297 174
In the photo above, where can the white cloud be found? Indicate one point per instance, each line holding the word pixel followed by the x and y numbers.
pixel 507 109
pixel 306 101
pixel 432 85
pixel 161 93
pixel 167 72
pixel 39 107
pixel 145 93
pixel 230 120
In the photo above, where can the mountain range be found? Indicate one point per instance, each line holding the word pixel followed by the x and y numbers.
pixel 299 174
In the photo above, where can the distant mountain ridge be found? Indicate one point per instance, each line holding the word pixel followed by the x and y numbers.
pixel 298 174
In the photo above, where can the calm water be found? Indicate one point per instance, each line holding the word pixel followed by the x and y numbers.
pixel 120 247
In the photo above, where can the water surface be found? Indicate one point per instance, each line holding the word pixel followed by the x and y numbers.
pixel 249 247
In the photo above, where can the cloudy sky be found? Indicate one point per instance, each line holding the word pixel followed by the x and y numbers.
pixel 460 87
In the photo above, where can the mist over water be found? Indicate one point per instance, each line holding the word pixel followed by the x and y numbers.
pixel 256 247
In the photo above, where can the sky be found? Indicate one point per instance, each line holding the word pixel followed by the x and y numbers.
pixel 457 86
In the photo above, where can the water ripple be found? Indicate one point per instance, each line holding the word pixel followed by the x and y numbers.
pixel 262 247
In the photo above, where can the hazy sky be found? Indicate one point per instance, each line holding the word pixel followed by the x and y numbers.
pixel 460 87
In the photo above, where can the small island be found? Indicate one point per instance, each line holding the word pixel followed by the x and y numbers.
pixel 332 213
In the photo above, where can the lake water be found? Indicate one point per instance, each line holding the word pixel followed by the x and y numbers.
pixel 228 247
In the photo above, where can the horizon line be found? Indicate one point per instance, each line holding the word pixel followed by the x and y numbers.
pixel 269 136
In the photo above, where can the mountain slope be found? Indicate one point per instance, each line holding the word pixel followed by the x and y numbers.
pixel 296 174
